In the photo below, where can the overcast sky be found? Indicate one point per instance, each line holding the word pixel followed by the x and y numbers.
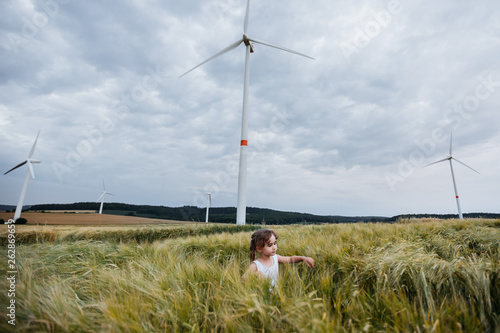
pixel 345 134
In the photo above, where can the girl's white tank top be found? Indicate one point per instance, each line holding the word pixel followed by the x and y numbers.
pixel 270 272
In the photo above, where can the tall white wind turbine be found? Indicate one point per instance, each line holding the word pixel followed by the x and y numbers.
pixel 104 192
pixel 242 175
pixel 209 203
pixel 30 163
pixel 449 158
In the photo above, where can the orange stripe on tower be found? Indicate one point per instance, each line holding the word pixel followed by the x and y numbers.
pixel 457 196
pixel 244 142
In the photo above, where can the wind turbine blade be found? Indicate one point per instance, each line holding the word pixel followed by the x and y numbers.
pixel 444 159
pixel 464 165
pixel 247 13
pixel 103 193
pixel 34 145
pixel 103 186
pixel 30 166
pixel 17 166
pixel 225 50
pixel 280 48
pixel 111 194
pixel 451 142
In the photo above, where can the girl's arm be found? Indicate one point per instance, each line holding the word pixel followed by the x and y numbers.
pixel 294 259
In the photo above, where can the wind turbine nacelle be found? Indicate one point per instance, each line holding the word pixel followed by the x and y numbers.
pixel 247 42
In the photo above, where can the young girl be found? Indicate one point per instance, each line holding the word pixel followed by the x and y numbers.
pixel 264 242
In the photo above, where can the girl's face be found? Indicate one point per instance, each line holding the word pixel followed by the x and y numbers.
pixel 269 248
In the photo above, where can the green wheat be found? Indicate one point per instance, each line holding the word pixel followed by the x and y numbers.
pixel 416 276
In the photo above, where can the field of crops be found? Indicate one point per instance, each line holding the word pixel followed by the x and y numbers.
pixel 35 218
pixel 414 276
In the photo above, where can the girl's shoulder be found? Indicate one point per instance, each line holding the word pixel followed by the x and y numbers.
pixel 256 263
pixel 253 266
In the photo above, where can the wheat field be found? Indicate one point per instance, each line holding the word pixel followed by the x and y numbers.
pixel 412 276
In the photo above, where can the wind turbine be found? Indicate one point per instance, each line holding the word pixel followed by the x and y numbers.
pixel 449 158
pixel 209 203
pixel 104 192
pixel 30 163
pixel 242 174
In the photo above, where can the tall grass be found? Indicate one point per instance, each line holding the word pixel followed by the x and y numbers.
pixel 409 277
pixel 139 234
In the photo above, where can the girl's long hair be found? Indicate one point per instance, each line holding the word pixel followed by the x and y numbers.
pixel 259 239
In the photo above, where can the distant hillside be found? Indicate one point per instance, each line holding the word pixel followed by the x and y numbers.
pixel 444 216
pixel 228 214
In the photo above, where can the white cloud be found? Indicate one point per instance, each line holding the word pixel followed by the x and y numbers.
pixel 324 134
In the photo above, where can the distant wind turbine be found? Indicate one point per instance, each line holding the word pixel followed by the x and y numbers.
pixel 30 163
pixel 449 158
pixel 209 203
pixel 242 175
pixel 104 192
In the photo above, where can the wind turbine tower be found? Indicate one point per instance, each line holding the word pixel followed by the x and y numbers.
pixel 450 158
pixel 209 203
pixel 242 174
pixel 30 163
pixel 104 192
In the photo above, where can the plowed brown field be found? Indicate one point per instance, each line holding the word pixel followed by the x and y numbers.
pixel 85 219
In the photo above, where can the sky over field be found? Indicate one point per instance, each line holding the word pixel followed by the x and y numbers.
pixel 348 133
